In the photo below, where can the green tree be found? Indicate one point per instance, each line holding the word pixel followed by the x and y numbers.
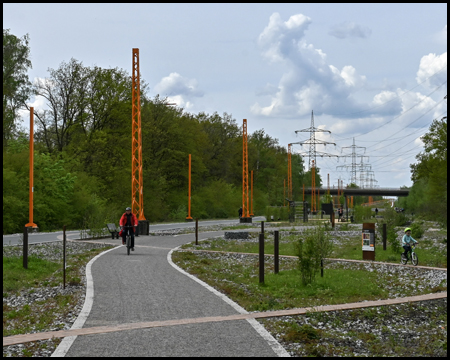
pixel 16 85
pixel 430 171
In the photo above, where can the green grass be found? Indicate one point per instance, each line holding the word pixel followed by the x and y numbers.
pixel 279 291
pixel 41 315
pixel 16 277
pixel 347 249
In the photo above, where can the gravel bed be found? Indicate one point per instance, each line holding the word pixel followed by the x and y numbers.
pixel 52 252
pixel 409 329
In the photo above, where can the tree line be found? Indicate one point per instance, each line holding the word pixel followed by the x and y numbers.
pixel 82 160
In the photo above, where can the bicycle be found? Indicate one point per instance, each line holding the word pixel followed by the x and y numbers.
pixel 128 239
pixel 414 259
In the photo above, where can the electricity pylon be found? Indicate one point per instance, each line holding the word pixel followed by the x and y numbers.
pixel 354 155
pixel 313 141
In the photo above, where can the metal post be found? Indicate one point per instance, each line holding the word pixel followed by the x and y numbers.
pixel 25 247
pixel 196 231
pixel 262 227
pixel 31 190
pixel 384 236
pixel 276 250
pixel 64 256
pixel 189 218
pixel 261 258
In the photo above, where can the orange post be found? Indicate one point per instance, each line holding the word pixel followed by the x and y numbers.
pixel 189 196
pixel 245 213
pixel 251 209
pixel 318 199
pixel 313 186
pixel 137 196
pixel 30 222
pixel 289 173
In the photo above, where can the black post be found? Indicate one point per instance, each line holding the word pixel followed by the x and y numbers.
pixel 25 247
pixel 196 231
pixel 64 256
pixel 384 236
pixel 262 227
pixel 321 267
pixel 261 258
pixel 275 250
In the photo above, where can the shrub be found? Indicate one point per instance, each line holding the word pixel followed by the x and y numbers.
pixel 284 213
pixel 416 230
pixel 269 213
pixel 312 246
pixel 362 213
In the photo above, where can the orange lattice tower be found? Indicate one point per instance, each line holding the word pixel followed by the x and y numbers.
pixel 289 173
pixel 245 210
pixel 313 186
pixel 137 181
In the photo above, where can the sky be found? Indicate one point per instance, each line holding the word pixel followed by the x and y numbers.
pixel 372 77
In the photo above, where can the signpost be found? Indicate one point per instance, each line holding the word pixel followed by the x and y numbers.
pixel 368 241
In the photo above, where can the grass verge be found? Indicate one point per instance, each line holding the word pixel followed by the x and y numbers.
pixel 55 308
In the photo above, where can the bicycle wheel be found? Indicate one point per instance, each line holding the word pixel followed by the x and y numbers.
pixel 414 259
pixel 403 259
pixel 128 244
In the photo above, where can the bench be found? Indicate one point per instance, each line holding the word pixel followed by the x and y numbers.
pixel 113 230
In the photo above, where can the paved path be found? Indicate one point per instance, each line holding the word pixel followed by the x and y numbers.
pixel 144 306
pixel 144 287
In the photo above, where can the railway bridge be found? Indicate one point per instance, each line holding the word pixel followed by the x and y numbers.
pixel 361 192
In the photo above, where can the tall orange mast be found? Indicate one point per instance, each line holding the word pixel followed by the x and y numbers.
pixel 137 182
pixel 30 222
pixel 245 213
pixel 313 186
pixel 289 173
pixel 251 200
pixel 189 198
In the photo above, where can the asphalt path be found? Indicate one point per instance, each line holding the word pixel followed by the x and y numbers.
pixel 35 238
pixel 145 287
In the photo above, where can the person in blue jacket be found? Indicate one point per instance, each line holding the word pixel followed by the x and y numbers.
pixel 407 240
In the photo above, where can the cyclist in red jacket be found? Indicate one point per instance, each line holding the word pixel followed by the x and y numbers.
pixel 128 219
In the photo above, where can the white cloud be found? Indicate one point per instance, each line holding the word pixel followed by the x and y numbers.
pixel 432 70
pixel 309 83
pixel 179 89
pixel 350 30
pixel 175 84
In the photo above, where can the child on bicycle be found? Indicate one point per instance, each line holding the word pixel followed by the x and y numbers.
pixel 406 241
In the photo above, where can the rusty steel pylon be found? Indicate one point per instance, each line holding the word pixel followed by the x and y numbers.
pixel 245 211
pixel 313 186
pixel 137 181
pixel 289 172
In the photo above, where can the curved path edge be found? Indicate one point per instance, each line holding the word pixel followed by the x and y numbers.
pixel 261 330
pixel 67 342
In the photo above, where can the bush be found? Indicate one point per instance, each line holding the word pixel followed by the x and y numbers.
pixel 269 213
pixel 313 245
pixel 284 213
pixel 362 213
pixel 416 230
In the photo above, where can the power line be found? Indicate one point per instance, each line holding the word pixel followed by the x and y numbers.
pixel 426 97
pixel 398 96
